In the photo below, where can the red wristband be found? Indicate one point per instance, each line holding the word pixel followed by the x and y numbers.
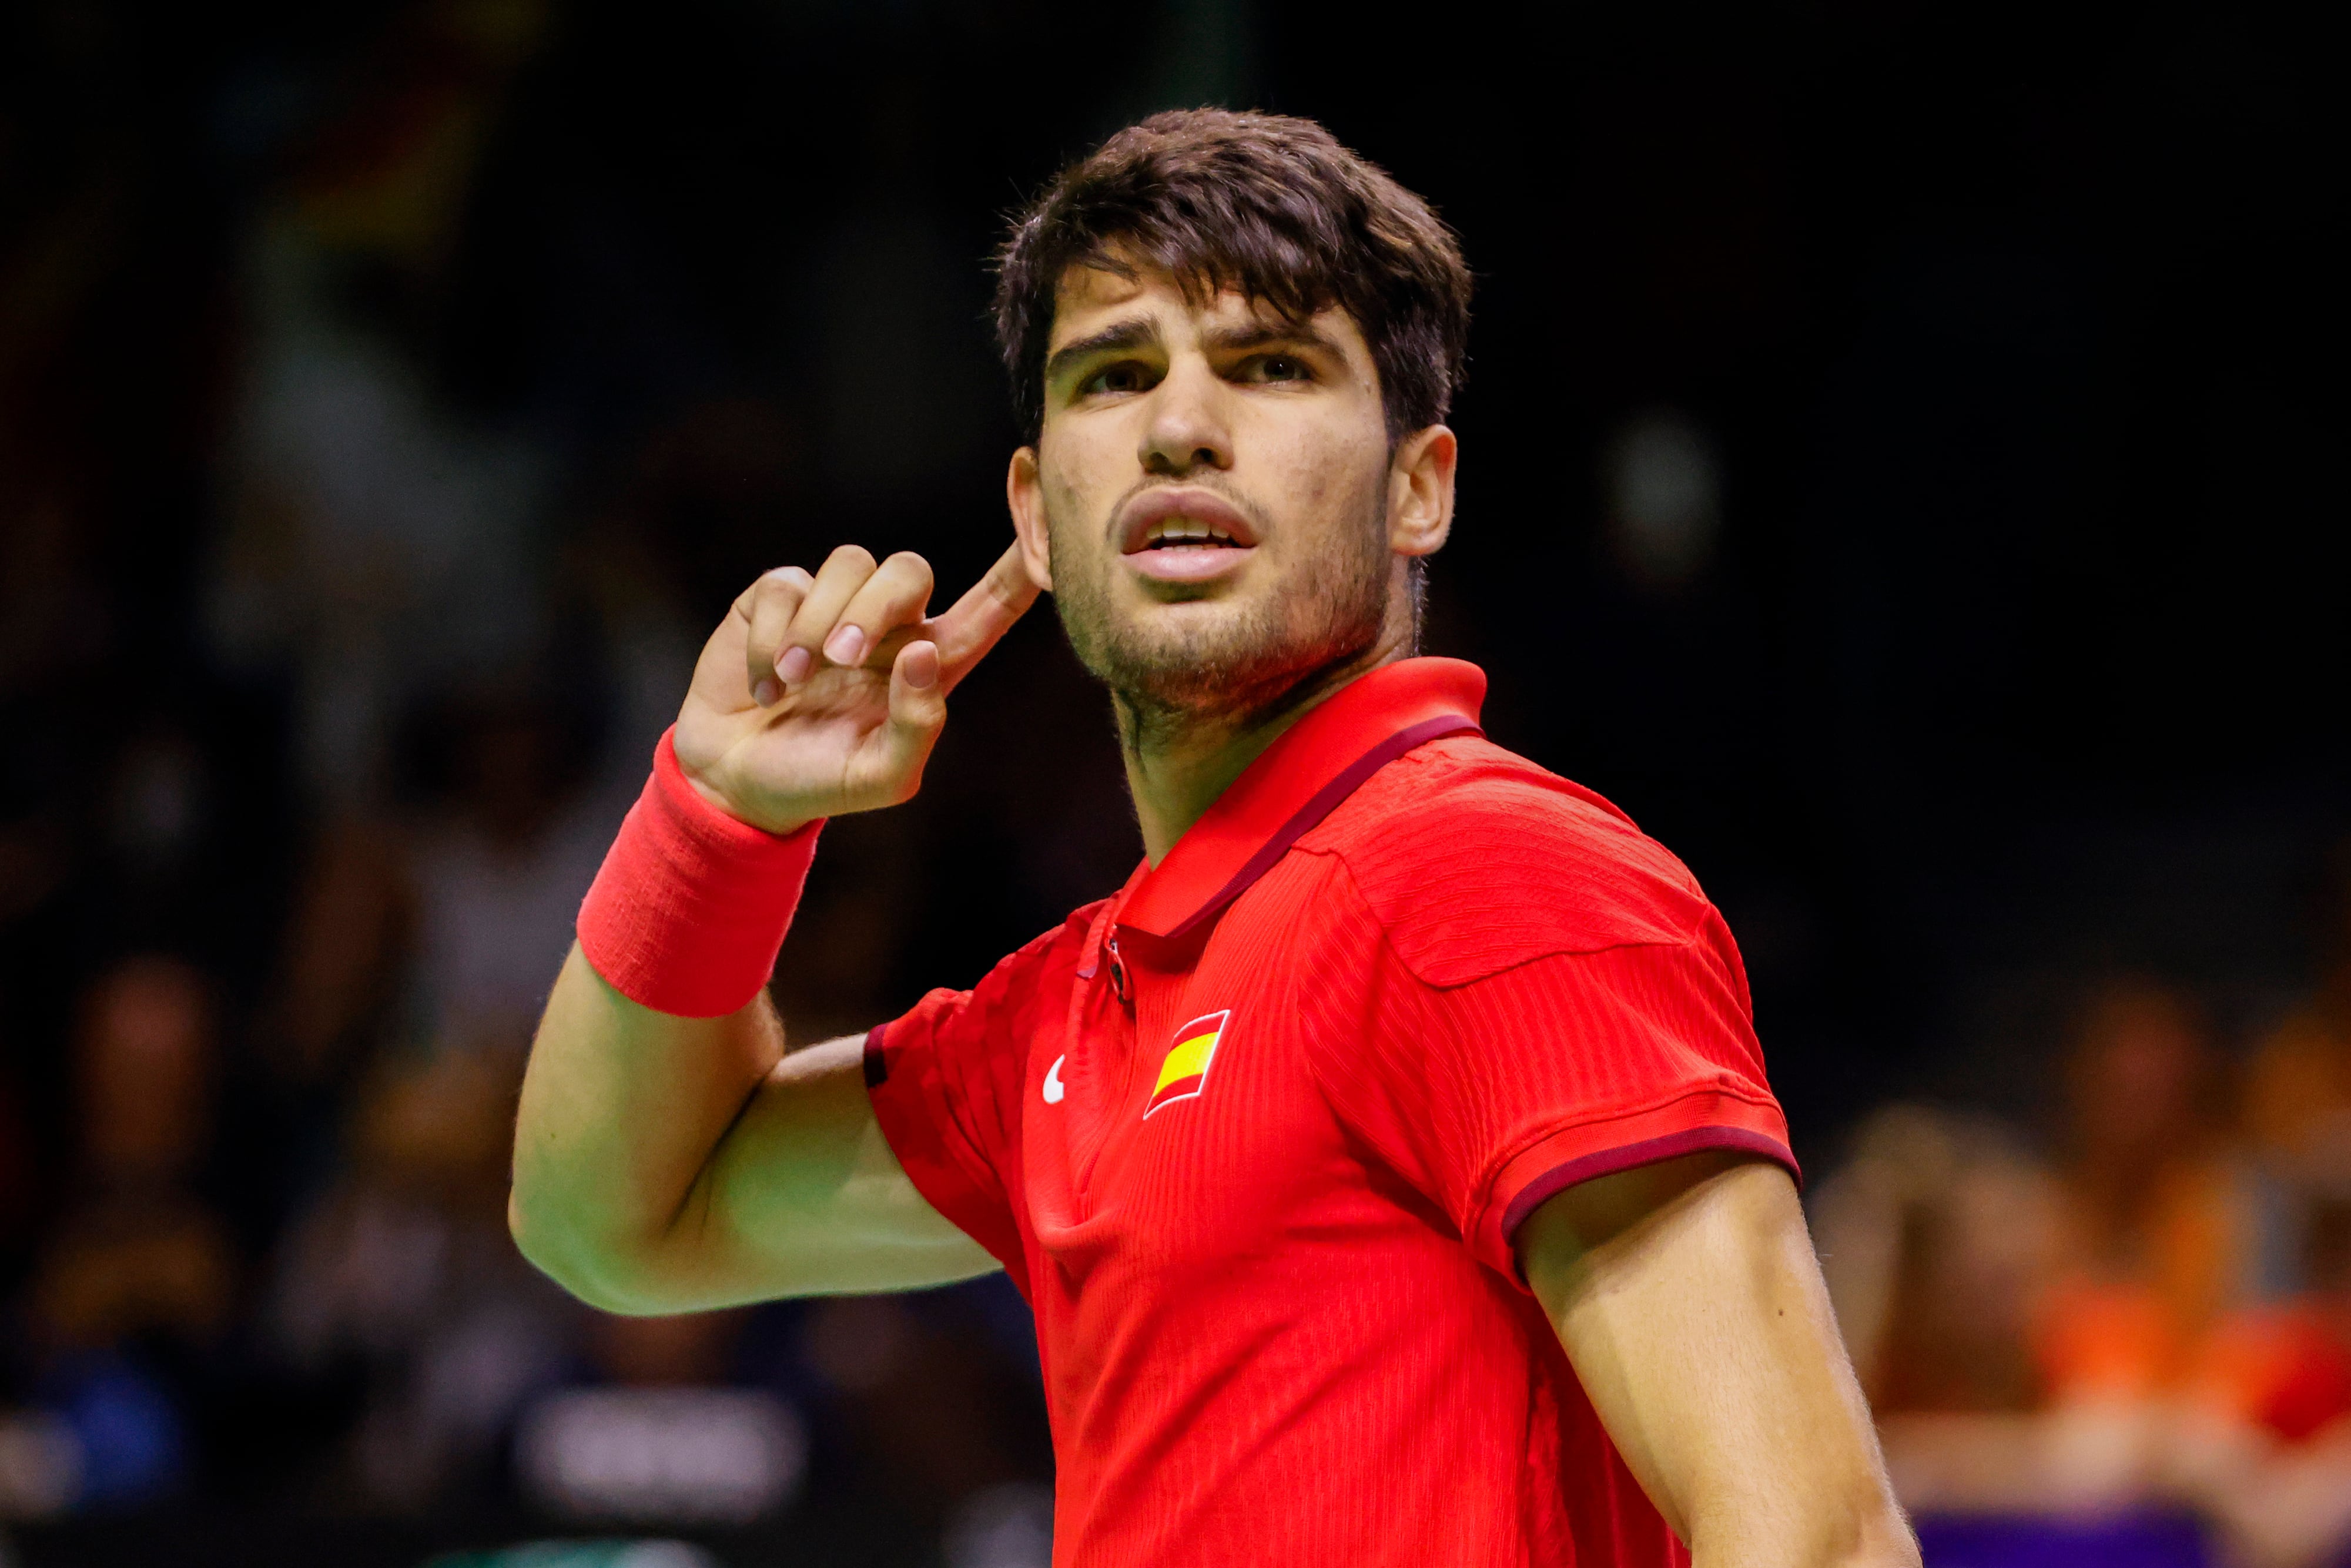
pixel 691 905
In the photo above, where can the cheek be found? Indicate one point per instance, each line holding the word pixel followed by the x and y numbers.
pixel 1064 504
pixel 1326 486
pixel 1082 480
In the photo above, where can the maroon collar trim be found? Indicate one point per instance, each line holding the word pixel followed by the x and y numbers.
pixel 1319 806
pixel 1301 778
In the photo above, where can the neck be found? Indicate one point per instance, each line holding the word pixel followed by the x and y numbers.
pixel 1177 763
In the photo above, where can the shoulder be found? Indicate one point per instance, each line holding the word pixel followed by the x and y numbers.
pixel 1022 987
pixel 1473 859
pixel 1045 958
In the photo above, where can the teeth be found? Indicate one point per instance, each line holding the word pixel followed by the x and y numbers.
pixel 1184 530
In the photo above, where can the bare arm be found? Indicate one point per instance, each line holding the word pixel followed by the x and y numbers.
pixel 666 1163
pixel 1689 1298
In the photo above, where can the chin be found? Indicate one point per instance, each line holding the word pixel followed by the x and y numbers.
pixel 1234 663
pixel 1227 652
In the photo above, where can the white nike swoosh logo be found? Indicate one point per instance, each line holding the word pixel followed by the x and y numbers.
pixel 1054 1082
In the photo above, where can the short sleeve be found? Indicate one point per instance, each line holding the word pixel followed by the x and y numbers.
pixel 1563 1007
pixel 1624 1058
pixel 944 1081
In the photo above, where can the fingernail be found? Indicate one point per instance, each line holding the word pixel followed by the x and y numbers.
pixel 845 646
pixel 765 691
pixel 794 666
pixel 921 670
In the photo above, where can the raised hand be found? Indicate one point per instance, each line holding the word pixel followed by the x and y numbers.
pixel 820 696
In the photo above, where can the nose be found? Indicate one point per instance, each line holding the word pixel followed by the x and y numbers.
pixel 1187 430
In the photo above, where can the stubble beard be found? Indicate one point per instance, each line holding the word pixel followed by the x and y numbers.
pixel 1232 670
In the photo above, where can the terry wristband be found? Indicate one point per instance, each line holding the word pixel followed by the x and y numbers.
pixel 691 905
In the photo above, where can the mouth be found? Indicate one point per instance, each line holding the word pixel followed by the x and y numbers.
pixel 1185 535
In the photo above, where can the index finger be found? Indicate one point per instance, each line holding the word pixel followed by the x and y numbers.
pixel 971 625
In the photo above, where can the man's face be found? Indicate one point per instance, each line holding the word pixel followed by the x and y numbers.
pixel 1214 501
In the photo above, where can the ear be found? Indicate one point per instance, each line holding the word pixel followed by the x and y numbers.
pixel 1420 491
pixel 1024 492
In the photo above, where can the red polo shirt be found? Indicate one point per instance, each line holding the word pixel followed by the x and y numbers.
pixel 1253 1137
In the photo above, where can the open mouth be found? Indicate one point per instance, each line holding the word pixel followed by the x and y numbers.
pixel 1184 534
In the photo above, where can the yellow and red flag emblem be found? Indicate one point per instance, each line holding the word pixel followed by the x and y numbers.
pixel 1185 1071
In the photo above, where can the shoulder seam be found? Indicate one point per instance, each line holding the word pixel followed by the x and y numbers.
pixel 1354 889
pixel 1538 784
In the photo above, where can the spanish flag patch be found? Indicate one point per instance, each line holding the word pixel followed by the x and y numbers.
pixel 1185 1071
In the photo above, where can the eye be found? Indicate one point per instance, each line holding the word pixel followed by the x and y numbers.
pixel 1126 376
pixel 1281 368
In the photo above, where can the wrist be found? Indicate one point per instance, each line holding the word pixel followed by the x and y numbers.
pixel 691 771
pixel 718 801
pixel 691 904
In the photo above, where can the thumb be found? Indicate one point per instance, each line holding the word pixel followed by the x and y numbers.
pixel 918 711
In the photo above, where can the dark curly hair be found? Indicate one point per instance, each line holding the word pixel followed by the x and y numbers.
pixel 1268 204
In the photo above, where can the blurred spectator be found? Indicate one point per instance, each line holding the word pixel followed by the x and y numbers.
pixel 351 931
pixel 671 1436
pixel 444 929
pixel 2161 1217
pixel 498 876
pixel 1940 1241
pixel 2298 1095
pixel 136 1282
pixel 1970 1277
pixel 2264 1444
pixel 403 1274
pixel 2024 1331
pixel 2285 1368
pixel 377 543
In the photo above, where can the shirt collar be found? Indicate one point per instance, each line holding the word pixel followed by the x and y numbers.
pixel 1295 783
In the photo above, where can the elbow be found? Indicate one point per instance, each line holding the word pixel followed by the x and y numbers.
pixel 540 1241
pixel 1881 1537
pixel 554 1247
pixel 607 1276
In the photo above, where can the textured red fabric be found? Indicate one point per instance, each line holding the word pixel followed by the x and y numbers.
pixel 690 905
pixel 1280 1321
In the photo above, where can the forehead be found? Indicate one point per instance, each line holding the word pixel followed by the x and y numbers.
pixel 1091 298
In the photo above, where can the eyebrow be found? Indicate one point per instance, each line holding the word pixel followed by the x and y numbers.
pixel 1265 334
pixel 1135 334
pixel 1109 340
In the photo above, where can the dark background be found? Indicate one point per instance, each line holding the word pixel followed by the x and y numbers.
pixel 2002 644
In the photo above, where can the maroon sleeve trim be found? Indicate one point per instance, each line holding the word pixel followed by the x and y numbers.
pixel 1627 1157
pixel 946 1172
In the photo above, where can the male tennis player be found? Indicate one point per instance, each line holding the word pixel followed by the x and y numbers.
pixel 1389 1164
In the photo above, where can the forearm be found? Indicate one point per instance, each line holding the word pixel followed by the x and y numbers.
pixel 623 1111
pixel 1872 1533
pixel 668 1155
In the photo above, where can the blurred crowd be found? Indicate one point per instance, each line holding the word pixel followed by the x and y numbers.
pixel 303 771
pixel 2142 1306
pixel 380 432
